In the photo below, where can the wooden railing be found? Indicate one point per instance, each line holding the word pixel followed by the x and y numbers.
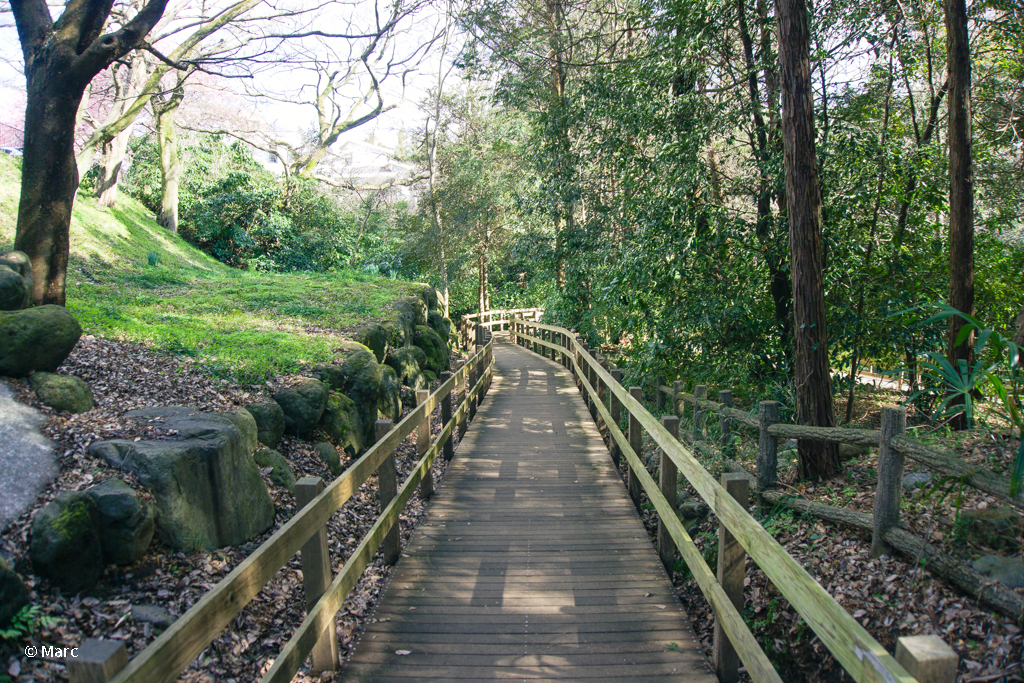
pixel 863 658
pixel 166 657
pixel 498 318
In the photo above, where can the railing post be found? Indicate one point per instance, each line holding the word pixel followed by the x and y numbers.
pixel 669 478
pixel 725 423
pixel 460 395
pixel 422 444
pixel 635 443
pixel 474 374
pixel 701 392
pixel 481 370
pixel 317 575
pixel 584 373
pixel 387 488
pixel 615 408
pixel 599 387
pixel 446 416
pixel 732 570
pixel 927 658
pixel 98 661
pixel 890 478
pixel 659 395
pixel 767 450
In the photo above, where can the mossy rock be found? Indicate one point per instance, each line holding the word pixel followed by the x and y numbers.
pixel 36 339
pixel 280 473
pixel 66 546
pixel 19 264
pixel 126 526
pixel 414 308
pixel 303 406
pixel 434 347
pixel 269 422
pixel 62 392
pixel 374 337
pixel 329 454
pixel 341 422
pixel 429 296
pixel 408 364
pixel 440 324
pixel 389 400
pixel 409 397
pixel 398 331
pixel 13 594
pixel 430 378
pixel 363 376
pixel 331 375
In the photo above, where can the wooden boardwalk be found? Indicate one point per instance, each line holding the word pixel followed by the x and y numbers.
pixel 531 563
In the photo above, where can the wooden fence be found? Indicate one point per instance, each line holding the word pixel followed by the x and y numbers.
pixel 863 658
pixel 893 448
pixel 166 657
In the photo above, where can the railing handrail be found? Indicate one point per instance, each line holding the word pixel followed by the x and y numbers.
pixel 163 660
pixel 855 649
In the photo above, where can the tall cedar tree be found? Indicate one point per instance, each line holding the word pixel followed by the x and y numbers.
pixel 61 57
pixel 818 460
pixel 961 185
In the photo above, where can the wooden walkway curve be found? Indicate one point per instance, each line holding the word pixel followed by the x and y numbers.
pixel 532 563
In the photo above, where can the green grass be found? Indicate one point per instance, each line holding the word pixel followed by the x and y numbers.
pixel 241 323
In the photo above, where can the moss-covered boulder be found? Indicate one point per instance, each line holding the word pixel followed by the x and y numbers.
pixel 329 454
pixel 414 308
pixel 374 337
pixel 331 375
pixel 342 424
pixel 207 488
pixel 62 392
pixel 21 280
pixel 66 546
pixel 435 348
pixel 303 405
pixel 409 397
pixel 440 324
pixel 408 365
pixel 389 400
pixel 996 527
pixel 36 339
pixel 269 419
pixel 280 471
pixel 13 293
pixel 13 594
pixel 126 526
pixel 398 331
pixel 363 376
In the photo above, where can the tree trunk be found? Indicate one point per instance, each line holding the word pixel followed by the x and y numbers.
pixel 812 381
pixel 49 180
pixel 170 164
pixel 961 185
pixel 127 87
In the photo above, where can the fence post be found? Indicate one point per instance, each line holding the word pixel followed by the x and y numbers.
pixel 724 423
pixel 422 444
pixel 669 479
pixel 701 392
pixel 446 416
pixel 387 488
pixel 635 443
pixel 732 570
pixel 471 379
pixel 600 389
pixel 927 658
pixel 584 373
pixel 678 387
pixel 615 408
pixel 767 450
pixel 98 661
pixel 659 395
pixel 890 478
pixel 317 575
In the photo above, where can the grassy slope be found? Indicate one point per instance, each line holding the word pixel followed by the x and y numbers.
pixel 249 324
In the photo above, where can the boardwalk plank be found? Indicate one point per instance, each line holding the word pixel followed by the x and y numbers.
pixel 531 563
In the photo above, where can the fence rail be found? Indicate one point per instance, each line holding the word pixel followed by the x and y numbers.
pixel 167 656
pixel 863 658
